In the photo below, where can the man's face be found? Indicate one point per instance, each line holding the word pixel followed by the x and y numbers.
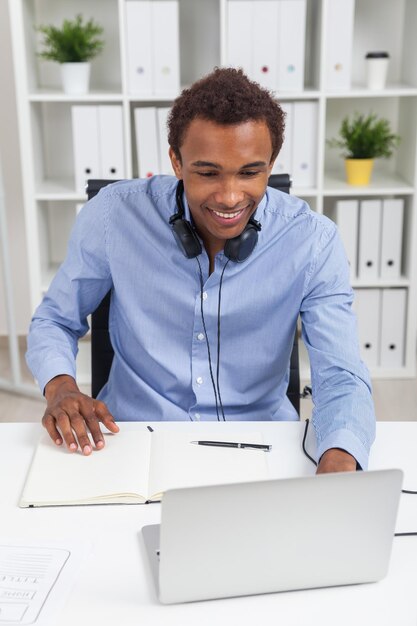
pixel 225 170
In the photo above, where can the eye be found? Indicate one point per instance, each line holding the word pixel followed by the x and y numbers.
pixel 249 173
pixel 206 174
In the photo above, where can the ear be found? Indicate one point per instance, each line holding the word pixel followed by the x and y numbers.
pixel 176 163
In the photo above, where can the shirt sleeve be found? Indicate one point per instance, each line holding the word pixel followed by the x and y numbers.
pixel 343 414
pixel 76 290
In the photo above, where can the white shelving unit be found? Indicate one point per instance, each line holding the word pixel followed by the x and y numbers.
pixel 44 115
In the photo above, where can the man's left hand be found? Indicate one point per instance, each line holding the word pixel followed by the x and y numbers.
pixel 335 460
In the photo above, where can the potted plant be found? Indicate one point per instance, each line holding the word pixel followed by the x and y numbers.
pixel 363 139
pixel 72 46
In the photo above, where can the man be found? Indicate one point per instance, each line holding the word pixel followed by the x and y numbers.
pixel 202 323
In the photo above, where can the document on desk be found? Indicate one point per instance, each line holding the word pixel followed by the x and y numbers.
pixel 136 467
pixel 35 580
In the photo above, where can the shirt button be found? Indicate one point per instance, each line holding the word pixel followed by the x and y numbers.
pixel 199 380
pixel 197 416
pixel 205 296
pixel 200 336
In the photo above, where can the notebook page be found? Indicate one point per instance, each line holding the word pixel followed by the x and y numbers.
pixel 175 462
pixel 57 476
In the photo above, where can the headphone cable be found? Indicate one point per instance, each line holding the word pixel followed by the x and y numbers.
pixel 407 491
pixel 207 339
pixel 218 340
pixel 407 534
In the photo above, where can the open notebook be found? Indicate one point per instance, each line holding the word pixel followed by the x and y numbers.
pixel 136 467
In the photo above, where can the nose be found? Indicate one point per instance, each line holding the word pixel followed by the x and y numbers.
pixel 229 195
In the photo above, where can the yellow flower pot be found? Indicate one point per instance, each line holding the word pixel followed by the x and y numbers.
pixel 358 171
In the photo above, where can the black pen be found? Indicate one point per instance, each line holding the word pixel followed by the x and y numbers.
pixel 230 444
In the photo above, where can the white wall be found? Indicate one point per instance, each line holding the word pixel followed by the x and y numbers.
pixel 10 159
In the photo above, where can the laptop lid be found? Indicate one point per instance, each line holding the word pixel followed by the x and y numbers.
pixel 275 535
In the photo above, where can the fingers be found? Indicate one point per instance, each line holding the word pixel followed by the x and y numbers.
pixel 58 421
pixel 72 419
pixel 48 422
pixel 78 423
pixel 104 415
pixel 92 423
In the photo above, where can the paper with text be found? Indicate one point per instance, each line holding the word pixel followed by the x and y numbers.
pixel 32 585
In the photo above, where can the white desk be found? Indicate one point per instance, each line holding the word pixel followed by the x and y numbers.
pixel 115 585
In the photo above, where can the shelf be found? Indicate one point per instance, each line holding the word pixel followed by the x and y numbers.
pixel 56 95
pixel 306 94
pixel 380 283
pixel 58 190
pixel 304 192
pixel 382 184
pixel 361 91
pixel 52 95
pixel 143 98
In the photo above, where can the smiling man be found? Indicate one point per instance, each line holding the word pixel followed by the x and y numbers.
pixel 209 272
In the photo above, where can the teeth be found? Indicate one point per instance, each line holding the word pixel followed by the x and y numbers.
pixel 228 216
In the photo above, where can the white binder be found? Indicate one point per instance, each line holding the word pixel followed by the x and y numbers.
pixel 291 39
pixel 265 42
pixel 139 46
pixel 369 239
pixel 165 47
pixel 111 141
pixel 346 217
pixel 240 34
pixel 338 25
pixel 367 306
pixel 146 133
pixel 85 134
pixel 391 237
pixel 304 149
pixel 165 166
pixel 393 327
pixel 283 162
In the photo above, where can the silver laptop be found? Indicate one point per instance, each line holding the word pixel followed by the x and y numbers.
pixel 275 535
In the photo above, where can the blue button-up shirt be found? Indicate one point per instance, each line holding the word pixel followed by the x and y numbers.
pixel 122 241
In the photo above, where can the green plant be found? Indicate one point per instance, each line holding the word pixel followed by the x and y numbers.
pixel 75 42
pixel 365 137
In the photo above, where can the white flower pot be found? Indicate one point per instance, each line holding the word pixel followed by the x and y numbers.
pixel 75 77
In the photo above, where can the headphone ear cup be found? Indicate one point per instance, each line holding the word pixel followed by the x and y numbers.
pixel 186 238
pixel 241 247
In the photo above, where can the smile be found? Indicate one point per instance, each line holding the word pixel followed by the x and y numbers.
pixel 228 216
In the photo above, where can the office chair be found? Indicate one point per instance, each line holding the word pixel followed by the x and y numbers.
pixel 102 350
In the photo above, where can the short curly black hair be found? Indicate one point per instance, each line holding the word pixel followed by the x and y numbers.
pixel 226 96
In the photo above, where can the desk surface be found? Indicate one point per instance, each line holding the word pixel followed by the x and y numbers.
pixel 115 585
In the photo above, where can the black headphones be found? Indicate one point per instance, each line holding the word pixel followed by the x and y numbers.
pixel 237 249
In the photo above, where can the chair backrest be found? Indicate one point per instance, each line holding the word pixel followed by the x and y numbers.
pixel 102 350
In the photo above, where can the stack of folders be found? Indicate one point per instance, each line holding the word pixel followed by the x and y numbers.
pixel 152 141
pixel 372 233
pixel 267 39
pixel 98 145
pixel 298 153
pixel 152 47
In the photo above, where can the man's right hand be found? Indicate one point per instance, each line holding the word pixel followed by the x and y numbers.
pixel 70 415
